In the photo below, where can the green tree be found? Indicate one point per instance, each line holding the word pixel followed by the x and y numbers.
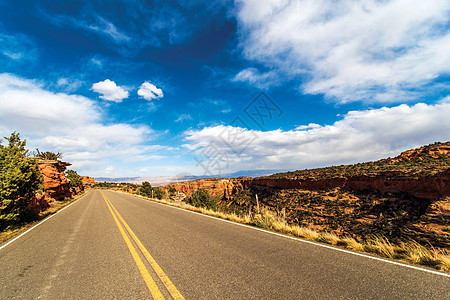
pixel 20 178
pixel 160 193
pixel 47 155
pixel 202 198
pixel 172 192
pixel 74 178
pixel 146 189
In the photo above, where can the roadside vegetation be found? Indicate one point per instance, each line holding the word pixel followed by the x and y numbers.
pixel 406 251
pixel 22 190
pixel 20 180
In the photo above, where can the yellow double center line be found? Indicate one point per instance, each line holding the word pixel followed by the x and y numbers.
pixel 154 290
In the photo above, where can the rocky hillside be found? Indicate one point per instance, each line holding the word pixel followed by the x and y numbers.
pixel 402 197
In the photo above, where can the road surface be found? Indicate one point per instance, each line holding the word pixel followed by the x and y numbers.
pixel 111 245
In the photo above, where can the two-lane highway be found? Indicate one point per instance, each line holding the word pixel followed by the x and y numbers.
pixel 112 245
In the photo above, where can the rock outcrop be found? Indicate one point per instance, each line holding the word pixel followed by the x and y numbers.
pixel 88 181
pixel 55 182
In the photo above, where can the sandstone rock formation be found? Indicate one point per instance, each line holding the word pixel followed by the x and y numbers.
pixel 55 181
pixel 87 181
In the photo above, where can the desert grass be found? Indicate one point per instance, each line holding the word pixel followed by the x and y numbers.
pixel 328 238
pixel 410 252
pixel 351 244
pixel 55 207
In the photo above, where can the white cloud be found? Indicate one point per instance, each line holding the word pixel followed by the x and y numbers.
pixel 91 22
pixel 72 125
pixel 309 126
pixel 254 77
pixel 107 28
pixel 149 91
pixel 183 117
pixel 69 84
pixel 378 51
pixel 110 90
pixel 359 136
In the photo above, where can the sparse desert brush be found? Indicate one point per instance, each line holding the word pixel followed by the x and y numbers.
pixel 280 226
pixel 351 244
pixel 265 220
pixel 418 254
pixel 380 245
pixel 305 232
pixel 329 238
pixel 443 262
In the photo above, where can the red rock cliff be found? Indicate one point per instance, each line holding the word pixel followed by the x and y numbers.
pixel 426 187
pixel 55 181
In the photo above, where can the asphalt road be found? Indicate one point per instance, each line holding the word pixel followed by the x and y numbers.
pixel 83 253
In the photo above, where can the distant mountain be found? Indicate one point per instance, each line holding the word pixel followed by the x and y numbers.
pixel 163 180
pixel 115 179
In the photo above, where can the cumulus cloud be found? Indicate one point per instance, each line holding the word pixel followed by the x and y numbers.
pixel 377 51
pixel 149 91
pixel 359 136
pixel 110 91
pixel 70 124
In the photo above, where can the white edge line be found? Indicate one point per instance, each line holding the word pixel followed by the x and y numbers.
pixel 46 219
pixel 299 239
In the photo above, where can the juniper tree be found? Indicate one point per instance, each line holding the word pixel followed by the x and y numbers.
pixel 146 189
pixel 20 178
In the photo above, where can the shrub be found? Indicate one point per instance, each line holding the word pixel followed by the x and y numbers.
pixel 146 189
pixel 160 193
pixel 20 179
pixel 74 178
pixel 47 155
pixel 202 198
pixel 172 192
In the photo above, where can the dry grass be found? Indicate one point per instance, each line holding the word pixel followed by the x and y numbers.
pixel 444 262
pixel 329 238
pixel 380 245
pixel 351 244
pixel 411 251
pixel 418 254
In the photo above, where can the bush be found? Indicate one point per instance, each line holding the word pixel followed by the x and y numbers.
pixel 160 193
pixel 146 189
pixel 20 179
pixel 74 178
pixel 172 192
pixel 202 198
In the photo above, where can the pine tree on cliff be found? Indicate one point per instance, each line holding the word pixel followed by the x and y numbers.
pixel 19 180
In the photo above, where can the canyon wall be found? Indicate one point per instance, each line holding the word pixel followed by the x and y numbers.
pixel 425 187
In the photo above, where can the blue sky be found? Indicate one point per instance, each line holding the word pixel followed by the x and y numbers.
pixel 160 88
